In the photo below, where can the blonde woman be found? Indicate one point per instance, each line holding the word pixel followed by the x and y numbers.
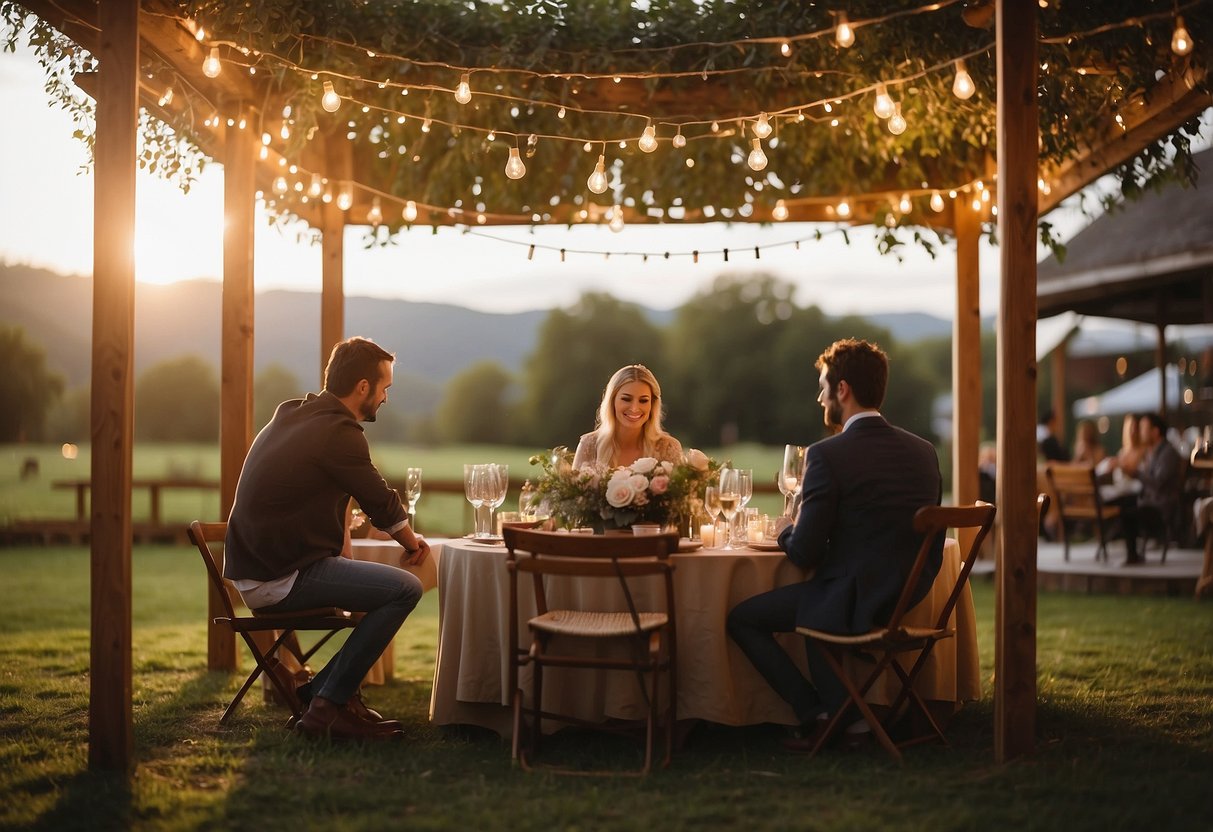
pixel 629 423
pixel 1087 447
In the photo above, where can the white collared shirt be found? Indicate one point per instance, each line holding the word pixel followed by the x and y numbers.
pixel 863 414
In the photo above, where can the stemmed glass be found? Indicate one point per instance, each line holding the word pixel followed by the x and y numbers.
pixel 711 505
pixel 497 483
pixel 730 501
pixel 412 493
pixel 791 476
pixel 474 490
pixel 745 490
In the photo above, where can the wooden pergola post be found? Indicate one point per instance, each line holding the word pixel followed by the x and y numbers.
pixel 966 361
pixel 1015 610
pixel 111 742
pixel 332 269
pixel 236 353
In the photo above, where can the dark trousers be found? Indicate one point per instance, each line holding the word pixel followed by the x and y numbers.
pixel 753 624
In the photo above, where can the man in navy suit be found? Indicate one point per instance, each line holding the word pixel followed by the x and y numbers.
pixel 854 530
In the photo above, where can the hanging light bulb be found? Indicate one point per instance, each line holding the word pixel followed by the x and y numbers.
pixel 167 98
pixel 410 211
pixel 561 112
pixel 1181 41
pixel 330 101
pixel 843 209
pixel 314 188
pixel 679 140
pixel 884 102
pixel 375 215
pixel 463 92
pixel 616 223
pixel 597 183
pixel 785 49
pixel 514 168
pixel 976 203
pixel 844 35
pixel 211 66
pixel 937 202
pixel 757 160
pixel 425 125
pixel 763 128
pixel 897 122
pixel 905 206
pixel 532 142
pixel 345 197
pixel 963 87
pixel 780 212
pixel 284 131
pixel 648 141
pixel 280 185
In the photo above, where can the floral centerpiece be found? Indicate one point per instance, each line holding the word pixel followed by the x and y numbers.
pixel 647 491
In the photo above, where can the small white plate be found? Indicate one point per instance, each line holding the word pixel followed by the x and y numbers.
pixel 688 545
pixel 765 546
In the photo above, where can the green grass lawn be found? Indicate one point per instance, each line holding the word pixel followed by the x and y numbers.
pixel 1124 739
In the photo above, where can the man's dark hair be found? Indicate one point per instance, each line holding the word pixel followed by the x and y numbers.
pixel 1046 416
pixel 351 361
pixel 1157 421
pixel 862 365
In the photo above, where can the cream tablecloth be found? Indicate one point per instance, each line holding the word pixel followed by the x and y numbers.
pixel 715 680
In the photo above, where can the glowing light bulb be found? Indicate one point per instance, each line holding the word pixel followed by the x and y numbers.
pixel 561 113
pixel 897 122
pixel 1181 41
pixel 280 185
pixel 963 87
pixel 375 215
pixel 763 128
pixel 330 101
pixel 410 211
pixel 884 102
pixel 514 168
pixel 345 197
pixel 314 188
pixel 679 140
pixel 616 223
pixel 844 35
pixel 463 92
pixel 757 160
pixel 905 206
pixel 167 98
pixel 843 209
pixel 597 183
pixel 785 49
pixel 936 202
pixel 425 125
pixel 648 141
pixel 211 66
pixel 780 212
pixel 976 203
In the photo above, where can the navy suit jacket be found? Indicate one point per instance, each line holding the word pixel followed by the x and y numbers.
pixel 855 527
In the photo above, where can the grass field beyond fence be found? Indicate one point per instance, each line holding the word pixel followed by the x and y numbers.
pixel 1124 736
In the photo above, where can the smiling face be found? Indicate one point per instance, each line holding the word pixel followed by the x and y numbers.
pixel 633 404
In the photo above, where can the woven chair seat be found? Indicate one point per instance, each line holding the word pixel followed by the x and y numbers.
pixel 597 624
pixel 312 612
pixel 873 636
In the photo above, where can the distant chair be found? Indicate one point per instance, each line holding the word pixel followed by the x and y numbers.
pixel 1077 495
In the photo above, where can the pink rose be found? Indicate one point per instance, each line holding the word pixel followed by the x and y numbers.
pixel 643 465
pixel 697 459
pixel 620 493
pixel 660 484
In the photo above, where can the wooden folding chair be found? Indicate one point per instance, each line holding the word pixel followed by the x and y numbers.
pixel 884 644
pixel 649 634
pixel 329 619
pixel 1077 494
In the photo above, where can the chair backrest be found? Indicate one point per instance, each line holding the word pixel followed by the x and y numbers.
pixel 202 535
pixel 933 522
pixel 1074 485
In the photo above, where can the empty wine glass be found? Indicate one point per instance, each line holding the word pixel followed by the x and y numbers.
pixel 497 484
pixel 745 490
pixel 412 493
pixel 730 501
pixel 791 476
pixel 711 505
pixel 473 490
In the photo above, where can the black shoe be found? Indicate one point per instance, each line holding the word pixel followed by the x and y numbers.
pixel 304 693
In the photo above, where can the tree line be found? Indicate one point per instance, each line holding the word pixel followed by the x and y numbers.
pixel 735 364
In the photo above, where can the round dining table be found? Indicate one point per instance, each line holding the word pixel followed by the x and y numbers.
pixel 716 682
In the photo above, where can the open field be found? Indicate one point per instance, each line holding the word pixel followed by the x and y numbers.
pixel 1125 737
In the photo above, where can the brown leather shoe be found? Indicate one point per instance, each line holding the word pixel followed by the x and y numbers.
pixel 325 718
pixel 359 709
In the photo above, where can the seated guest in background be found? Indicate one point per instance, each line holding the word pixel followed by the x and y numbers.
pixel 1132 451
pixel 288 526
pixel 987 472
pixel 1087 448
pixel 1047 443
pixel 1159 474
pixel 629 423
pixel 855 529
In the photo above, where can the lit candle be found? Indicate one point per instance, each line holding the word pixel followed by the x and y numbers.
pixel 707 533
pixel 756 529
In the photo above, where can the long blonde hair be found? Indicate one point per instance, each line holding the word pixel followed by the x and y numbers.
pixel 607 445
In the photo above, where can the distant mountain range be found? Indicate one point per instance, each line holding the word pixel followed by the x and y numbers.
pixel 433 341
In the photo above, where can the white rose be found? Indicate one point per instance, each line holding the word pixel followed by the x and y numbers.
pixel 619 474
pixel 643 465
pixel 697 459
pixel 620 493
pixel 638 482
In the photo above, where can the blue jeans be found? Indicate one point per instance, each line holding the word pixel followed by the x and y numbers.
pixel 385 593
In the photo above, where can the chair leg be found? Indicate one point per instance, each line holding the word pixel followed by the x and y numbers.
pixel 856 699
pixel 262 664
pixel 1065 539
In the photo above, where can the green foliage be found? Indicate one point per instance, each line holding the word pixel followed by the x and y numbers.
pixel 272 386
pixel 28 388
pixel 178 400
pixel 475 407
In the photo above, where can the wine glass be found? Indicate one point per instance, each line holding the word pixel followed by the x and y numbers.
pixel 791 476
pixel 711 504
pixel 473 490
pixel 412 493
pixel 497 484
pixel 730 501
pixel 745 490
